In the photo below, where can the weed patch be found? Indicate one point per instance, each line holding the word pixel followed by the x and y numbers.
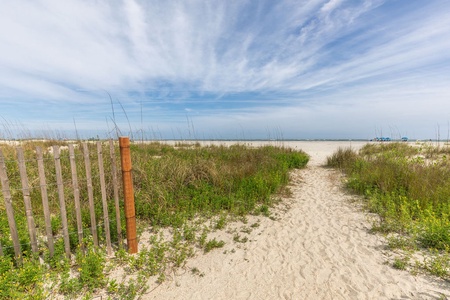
pixel 212 244
pixel 408 187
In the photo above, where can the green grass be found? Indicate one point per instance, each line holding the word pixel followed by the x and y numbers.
pixel 174 186
pixel 408 187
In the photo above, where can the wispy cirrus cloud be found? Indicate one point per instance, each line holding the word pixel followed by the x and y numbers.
pixel 252 61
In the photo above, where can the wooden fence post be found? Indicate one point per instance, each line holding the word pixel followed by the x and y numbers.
pixel 62 201
pixel 130 213
pixel 112 153
pixel 9 208
pixel 27 200
pixel 76 194
pixel 87 163
pixel 104 202
pixel 47 217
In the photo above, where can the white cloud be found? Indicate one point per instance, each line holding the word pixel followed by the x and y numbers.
pixel 330 6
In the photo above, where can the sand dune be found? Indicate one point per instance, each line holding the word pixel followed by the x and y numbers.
pixel 319 248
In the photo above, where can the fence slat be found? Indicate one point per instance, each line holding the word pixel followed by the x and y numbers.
pixel 87 164
pixel 130 211
pixel 27 199
pixel 44 196
pixel 62 202
pixel 104 202
pixel 76 193
pixel 8 206
pixel 112 153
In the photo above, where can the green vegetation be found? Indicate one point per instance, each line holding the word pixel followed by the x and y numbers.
pixel 175 186
pixel 25 282
pixel 408 188
pixel 211 244
pixel 176 183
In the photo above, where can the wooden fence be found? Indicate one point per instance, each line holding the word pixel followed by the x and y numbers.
pixel 63 185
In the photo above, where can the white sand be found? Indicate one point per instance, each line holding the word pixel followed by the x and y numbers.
pixel 320 248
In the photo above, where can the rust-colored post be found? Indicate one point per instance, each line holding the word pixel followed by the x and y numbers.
pixel 130 213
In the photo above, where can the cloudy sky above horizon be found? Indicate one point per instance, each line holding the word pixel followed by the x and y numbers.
pixel 226 69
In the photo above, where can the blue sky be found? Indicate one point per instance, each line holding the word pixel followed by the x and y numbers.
pixel 226 69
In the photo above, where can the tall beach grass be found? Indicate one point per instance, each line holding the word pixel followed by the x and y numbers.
pixel 407 187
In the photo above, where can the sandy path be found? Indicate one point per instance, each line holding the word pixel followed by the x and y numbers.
pixel 320 248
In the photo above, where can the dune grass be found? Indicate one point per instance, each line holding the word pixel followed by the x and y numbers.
pixel 176 183
pixel 408 187
pixel 173 186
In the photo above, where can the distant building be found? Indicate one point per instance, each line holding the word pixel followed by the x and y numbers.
pixel 382 139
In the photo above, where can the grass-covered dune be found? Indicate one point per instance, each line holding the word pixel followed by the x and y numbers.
pixel 173 185
pixel 408 187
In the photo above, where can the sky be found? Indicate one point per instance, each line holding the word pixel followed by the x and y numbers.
pixel 235 69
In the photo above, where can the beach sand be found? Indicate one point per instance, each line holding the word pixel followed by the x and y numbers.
pixel 318 247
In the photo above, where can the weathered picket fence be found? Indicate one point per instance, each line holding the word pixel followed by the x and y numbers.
pixel 74 187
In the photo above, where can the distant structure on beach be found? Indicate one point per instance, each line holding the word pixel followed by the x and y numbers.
pixel 382 139
pixel 388 139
